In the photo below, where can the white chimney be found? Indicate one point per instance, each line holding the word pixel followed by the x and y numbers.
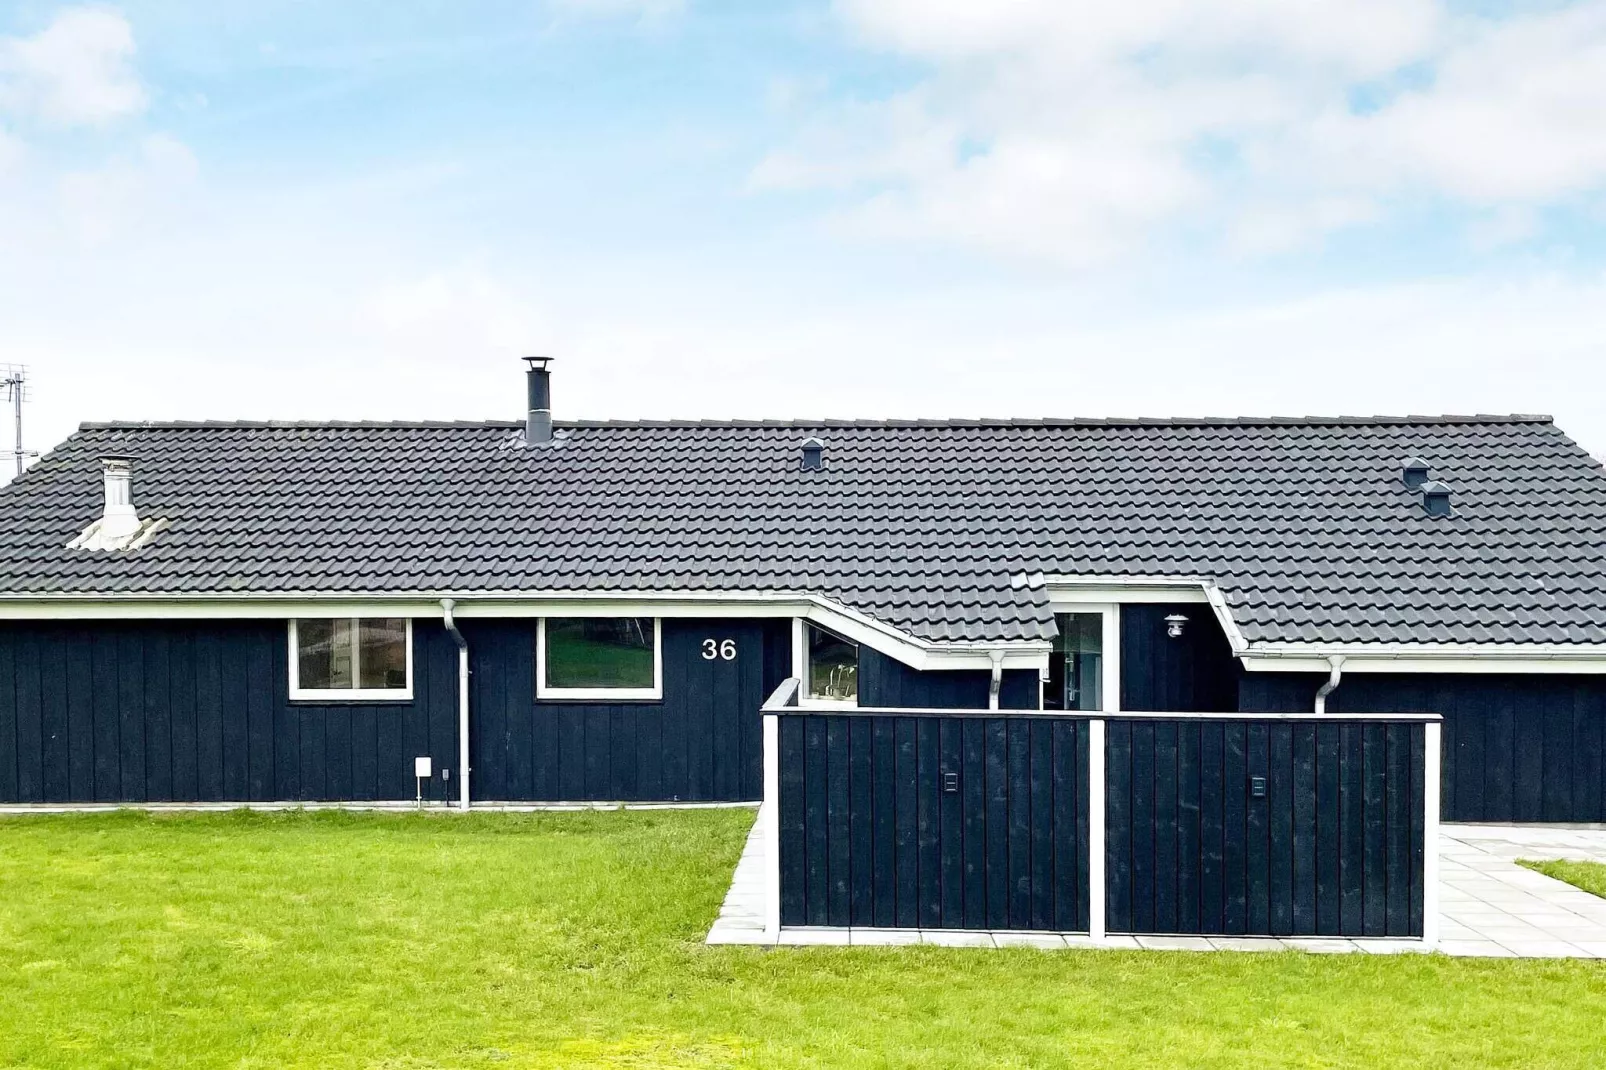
pixel 120 522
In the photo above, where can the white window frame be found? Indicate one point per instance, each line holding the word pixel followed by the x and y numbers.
pixel 1110 698
pixel 655 693
pixel 800 655
pixel 349 694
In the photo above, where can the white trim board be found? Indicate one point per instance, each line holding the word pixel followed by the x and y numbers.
pixel 1069 592
pixel 1427 659
pixel 546 693
pixel 331 695
pixel 849 623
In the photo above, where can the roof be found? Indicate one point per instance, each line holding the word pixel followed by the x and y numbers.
pixel 1303 523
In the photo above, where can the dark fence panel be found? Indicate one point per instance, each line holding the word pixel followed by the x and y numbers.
pixel 1265 827
pixel 701 742
pixel 933 821
pixel 1517 747
pixel 199 711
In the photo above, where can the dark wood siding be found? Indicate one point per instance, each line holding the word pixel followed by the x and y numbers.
pixel 869 836
pixel 1193 673
pixel 701 742
pixel 885 681
pixel 199 711
pixel 1334 848
pixel 1517 747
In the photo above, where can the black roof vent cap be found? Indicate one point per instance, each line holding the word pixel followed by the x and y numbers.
pixel 1436 498
pixel 813 455
pixel 1414 473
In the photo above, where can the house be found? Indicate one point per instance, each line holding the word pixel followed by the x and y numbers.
pixel 597 610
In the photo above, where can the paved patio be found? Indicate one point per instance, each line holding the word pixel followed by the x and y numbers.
pixel 1488 906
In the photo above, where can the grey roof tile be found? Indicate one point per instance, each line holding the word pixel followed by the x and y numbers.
pixel 1303 522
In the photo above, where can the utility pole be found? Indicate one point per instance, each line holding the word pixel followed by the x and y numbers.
pixel 14 378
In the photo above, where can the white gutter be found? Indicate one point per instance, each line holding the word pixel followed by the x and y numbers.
pixel 447 605
pixel 1114 587
pixel 1336 663
pixel 851 624
pixel 1512 657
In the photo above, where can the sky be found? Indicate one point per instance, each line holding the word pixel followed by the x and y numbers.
pixel 284 209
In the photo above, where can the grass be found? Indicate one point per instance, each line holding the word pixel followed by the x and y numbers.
pixel 557 940
pixel 1590 876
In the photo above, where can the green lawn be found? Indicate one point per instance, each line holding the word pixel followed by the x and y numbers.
pixel 555 940
pixel 1590 876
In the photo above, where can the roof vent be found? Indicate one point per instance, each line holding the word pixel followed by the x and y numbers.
pixel 119 526
pixel 118 520
pixel 538 411
pixel 813 455
pixel 1436 498
pixel 1414 472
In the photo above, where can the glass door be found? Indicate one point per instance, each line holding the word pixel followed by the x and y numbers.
pixel 1076 666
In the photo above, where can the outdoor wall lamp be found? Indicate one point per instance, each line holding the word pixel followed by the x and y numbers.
pixel 1174 625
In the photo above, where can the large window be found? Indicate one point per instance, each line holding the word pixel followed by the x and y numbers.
pixel 599 658
pixel 833 669
pixel 1076 667
pixel 344 658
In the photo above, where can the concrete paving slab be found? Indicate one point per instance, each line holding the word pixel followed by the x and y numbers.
pixel 814 937
pixel 956 938
pixel 1247 943
pixel 883 937
pixel 1176 943
pixel 1041 941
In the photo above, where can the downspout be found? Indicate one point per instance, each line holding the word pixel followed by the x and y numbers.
pixel 447 605
pixel 1336 663
pixel 996 684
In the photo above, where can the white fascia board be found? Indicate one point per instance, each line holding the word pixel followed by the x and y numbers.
pixel 1428 658
pixel 850 624
pixel 1073 590
pixel 1071 597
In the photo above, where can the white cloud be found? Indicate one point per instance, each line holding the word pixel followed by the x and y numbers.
pixel 461 310
pixel 141 192
pixel 1513 114
pixel 12 151
pixel 75 72
pixel 1077 130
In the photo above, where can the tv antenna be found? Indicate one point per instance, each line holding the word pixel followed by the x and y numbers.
pixel 14 387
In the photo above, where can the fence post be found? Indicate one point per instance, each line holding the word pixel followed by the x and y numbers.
pixel 770 814
pixel 1095 829
pixel 1431 758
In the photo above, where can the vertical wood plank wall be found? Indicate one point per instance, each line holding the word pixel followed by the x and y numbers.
pixel 870 838
pixel 1517 747
pixel 1192 673
pixel 198 711
pixel 1334 848
pixel 885 681
pixel 701 743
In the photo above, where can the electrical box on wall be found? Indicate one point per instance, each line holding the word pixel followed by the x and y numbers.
pixel 423 768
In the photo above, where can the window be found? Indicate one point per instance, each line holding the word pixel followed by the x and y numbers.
pixel 833 670
pixel 599 657
pixel 351 658
pixel 1076 667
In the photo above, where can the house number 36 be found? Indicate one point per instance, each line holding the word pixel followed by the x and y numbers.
pixel 723 651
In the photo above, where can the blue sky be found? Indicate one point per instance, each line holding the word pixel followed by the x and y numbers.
pixel 851 208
